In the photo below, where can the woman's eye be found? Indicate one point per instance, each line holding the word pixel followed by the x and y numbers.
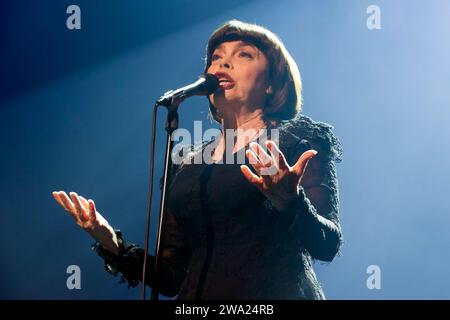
pixel 215 57
pixel 245 54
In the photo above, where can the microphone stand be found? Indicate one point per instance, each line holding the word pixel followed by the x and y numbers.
pixel 206 84
pixel 171 126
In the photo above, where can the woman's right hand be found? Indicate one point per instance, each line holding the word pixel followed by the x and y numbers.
pixel 87 217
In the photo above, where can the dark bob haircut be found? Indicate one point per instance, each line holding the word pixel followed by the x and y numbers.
pixel 284 76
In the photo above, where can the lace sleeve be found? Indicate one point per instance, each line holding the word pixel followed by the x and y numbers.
pixel 129 262
pixel 315 223
pixel 172 268
pixel 314 213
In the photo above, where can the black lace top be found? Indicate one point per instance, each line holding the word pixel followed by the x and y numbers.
pixel 224 240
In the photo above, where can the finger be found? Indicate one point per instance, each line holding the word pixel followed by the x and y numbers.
pixel 66 200
pixel 265 159
pixel 87 207
pixel 62 195
pixel 268 168
pixel 92 211
pixel 78 207
pixel 58 199
pixel 253 160
pixel 302 162
pixel 264 171
pixel 84 202
pixel 278 157
pixel 251 177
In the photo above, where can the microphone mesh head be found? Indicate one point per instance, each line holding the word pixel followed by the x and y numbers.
pixel 211 83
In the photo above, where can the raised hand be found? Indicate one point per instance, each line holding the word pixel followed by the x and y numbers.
pixel 86 216
pixel 276 179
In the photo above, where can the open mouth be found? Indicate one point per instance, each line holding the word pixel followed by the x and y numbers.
pixel 226 84
pixel 225 80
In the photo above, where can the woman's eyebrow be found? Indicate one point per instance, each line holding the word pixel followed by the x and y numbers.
pixel 238 46
pixel 244 44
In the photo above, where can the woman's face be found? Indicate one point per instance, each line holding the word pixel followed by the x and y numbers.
pixel 243 73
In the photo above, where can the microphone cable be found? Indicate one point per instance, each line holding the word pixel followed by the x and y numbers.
pixel 149 205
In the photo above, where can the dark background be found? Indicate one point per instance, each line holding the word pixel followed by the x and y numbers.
pixel 75 115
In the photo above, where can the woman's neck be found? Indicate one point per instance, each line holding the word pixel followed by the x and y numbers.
pixel 245 121
pixel 244 128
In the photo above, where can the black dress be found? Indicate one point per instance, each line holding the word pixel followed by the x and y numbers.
pixel 223 239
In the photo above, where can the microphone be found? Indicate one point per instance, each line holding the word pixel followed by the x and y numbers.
pixel 205 85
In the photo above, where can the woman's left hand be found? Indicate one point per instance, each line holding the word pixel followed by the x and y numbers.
pixel 277 180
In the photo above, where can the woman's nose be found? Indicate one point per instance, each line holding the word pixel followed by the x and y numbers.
pixel 225 64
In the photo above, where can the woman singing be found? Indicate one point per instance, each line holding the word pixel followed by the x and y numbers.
pixel 233 231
